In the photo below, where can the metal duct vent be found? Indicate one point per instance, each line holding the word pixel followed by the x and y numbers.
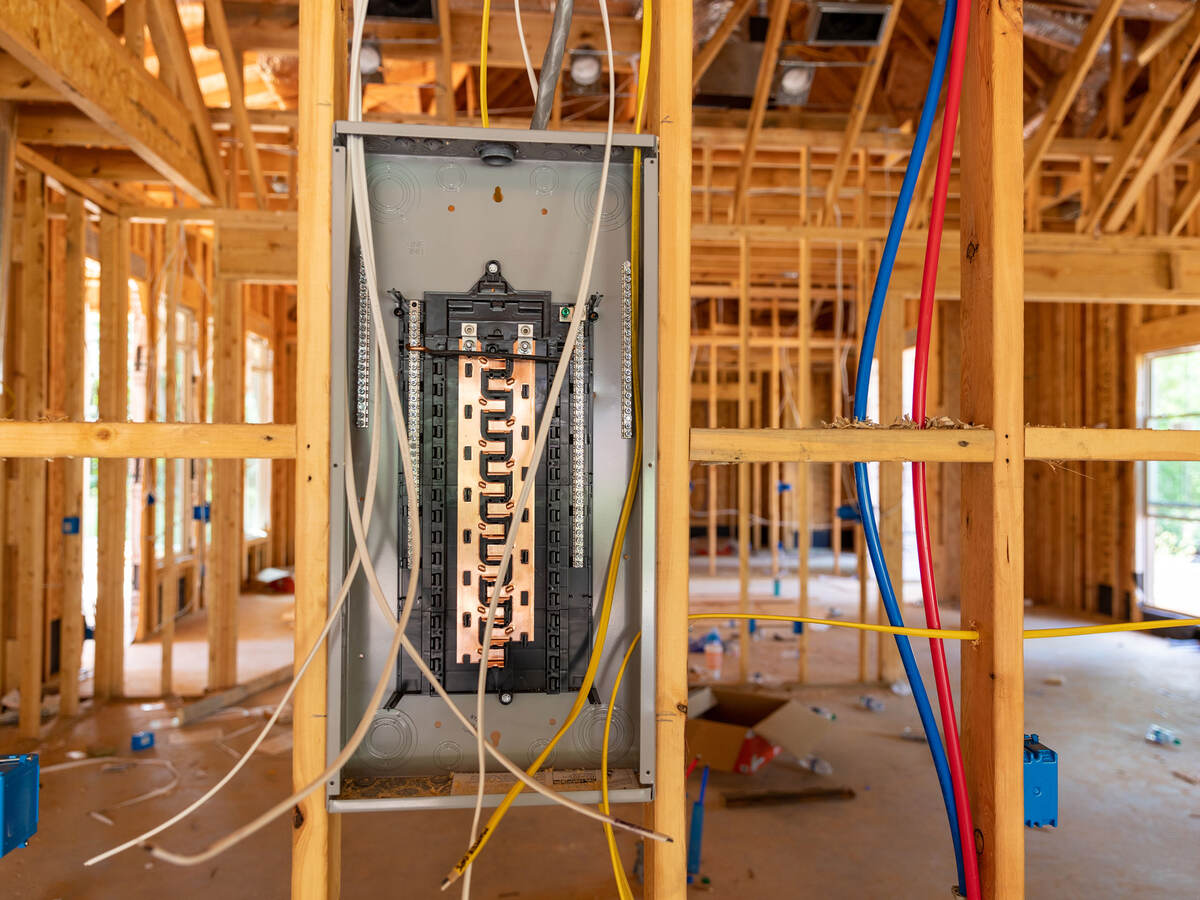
pixel 833 24
pixel 412 10
pixel 729 81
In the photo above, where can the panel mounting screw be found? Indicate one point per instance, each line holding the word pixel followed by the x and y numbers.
pixel 506 697
pixel 493 267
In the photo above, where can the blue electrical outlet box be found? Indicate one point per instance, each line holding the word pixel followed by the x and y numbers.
pixel 18 800
pixel 1041 784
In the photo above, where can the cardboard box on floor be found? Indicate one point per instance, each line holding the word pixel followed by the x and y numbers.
pixel 741 731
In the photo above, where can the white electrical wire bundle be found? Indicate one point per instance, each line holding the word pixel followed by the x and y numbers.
pixel 359 521
pixel 578 315
pixel 533 82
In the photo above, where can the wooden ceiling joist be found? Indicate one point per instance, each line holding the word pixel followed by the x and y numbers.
pixel 60 43
pixel 1175 61
pixel 1068 86
pixel 716 43
pixel 102 165
pixel 762 94
pixel 231 60
pixel 175 57
pixel 274 28
pixel 17 83
pixel 1155 155
pixel 1185 206
pixel 62 126
pixel 858 113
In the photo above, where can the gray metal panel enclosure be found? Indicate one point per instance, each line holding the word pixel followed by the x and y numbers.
pixel 439 214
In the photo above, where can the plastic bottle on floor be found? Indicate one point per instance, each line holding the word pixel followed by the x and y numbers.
pixel 714 655
pixel 816 765
pixel 1157 734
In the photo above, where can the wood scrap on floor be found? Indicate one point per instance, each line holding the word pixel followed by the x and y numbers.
pixel 777 797
pixel 213 703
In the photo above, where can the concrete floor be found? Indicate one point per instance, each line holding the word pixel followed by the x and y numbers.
pixel 1129 825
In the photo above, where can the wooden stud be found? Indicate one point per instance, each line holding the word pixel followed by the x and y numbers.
pixel 774 496
pixel 112 477
pixel 803 472
pixel 225 571
pixel 891 476
pixel 992 392
pixel 148 570
pixel 32 406
pixel 713 471
pixel 743 470
pixel 173 249
pixel 74 316
pixel 671 118
pixel 316 838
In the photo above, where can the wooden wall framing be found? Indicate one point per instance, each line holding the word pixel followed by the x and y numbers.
pixel 988 266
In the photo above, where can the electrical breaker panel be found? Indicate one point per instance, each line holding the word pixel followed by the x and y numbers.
pixel 479 239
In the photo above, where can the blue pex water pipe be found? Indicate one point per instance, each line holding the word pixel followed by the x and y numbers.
pixel 865 361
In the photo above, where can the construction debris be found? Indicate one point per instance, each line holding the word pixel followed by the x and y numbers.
pixel 211 704
pixel 775 797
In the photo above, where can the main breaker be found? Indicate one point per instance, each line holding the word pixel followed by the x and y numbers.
pixel 480 236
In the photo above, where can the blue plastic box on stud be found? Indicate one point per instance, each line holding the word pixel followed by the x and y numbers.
pixel 1041 784
pixel 18 800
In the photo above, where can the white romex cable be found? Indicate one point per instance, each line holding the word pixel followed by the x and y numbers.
pixel 533 82
pixel 358 175
pixel 578 314
pixel 358 171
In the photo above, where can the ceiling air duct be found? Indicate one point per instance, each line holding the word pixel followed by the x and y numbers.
pixel 840 24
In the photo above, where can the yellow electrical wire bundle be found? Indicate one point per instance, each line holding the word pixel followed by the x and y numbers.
pixel 483 47
pixel 614 562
